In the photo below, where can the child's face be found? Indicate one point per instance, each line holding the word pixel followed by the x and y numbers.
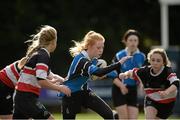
pixel 156 62
pixel 96 50
pixel 132 42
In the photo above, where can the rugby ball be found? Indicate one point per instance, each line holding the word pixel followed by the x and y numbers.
pixel 101 64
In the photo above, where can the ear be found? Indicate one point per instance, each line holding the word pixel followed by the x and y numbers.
pixel 88 47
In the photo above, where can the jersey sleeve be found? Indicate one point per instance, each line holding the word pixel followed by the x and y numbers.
pixel 138 73
pixel 92 69
pixel 112 74
pixel 103 71
pixel 42 65
pixel 172 77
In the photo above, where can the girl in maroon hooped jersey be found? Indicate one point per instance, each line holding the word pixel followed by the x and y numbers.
pixel 160 84
pixel 8 79
pixel 36 74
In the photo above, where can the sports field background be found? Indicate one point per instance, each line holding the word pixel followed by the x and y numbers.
pixel 88 116
pixel 94 116
pixel 72 20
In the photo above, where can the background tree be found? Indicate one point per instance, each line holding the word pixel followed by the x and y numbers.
pixel 74 18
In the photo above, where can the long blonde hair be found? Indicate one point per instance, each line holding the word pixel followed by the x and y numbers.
pixel 43 38
pixel 89 39
pixel 162 52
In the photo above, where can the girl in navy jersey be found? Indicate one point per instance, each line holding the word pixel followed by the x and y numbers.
pixel 8 79
pixel 82 67
pixel 160 84
pixel 124 93
pixel 36 74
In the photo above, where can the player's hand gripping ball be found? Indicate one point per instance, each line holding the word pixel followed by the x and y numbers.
pixel 101 64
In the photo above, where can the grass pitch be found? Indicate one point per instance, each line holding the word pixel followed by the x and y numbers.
pixel 95 116
pixel 87 116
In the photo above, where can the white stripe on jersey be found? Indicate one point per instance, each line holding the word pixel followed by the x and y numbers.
pixel 41 74
pixel 173 78
pixel 152 89
pixel 29 68
pixel 74 70
pixel 76 66
pixel 84 68
pixel 10 73
pixel 155 96
pixel 29 79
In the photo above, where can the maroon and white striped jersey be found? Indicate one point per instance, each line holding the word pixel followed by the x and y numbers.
pixel 10 74
pixel 153 83
pixel 36 68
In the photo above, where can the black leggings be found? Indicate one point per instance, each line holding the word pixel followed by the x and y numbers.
pixel 88 99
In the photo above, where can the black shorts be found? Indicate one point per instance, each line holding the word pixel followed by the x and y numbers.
pixel 27 106
pixel 6 99
pixel 72 104
pixel 87 99
pixel 129 99
pixel 164 110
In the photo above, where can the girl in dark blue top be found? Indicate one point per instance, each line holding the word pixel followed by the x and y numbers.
pixel 82 68
pixel 124 93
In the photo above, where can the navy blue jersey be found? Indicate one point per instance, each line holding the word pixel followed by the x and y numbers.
pixel 82 68
pixel 136 61
pixel 156 82
pixel 36 68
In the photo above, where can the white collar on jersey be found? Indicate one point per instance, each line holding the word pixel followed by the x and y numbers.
pixel 160 71
pixel 137 51
pixel 85 54
pixel 46 51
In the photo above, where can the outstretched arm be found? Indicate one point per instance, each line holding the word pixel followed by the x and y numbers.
pixel 102 71
pixel 55 78
pixel 60 88
pixel 169 90
pixel 173 88
pixel 126 75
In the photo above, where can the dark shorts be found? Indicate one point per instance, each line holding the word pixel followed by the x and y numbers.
pixel 27 106
pixel 87 99
pixel 129 99
pixel 6 99
pixel 164 110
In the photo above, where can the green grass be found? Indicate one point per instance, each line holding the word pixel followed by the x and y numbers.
pixel 82 116
pixel 87 116
pixel 95 116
